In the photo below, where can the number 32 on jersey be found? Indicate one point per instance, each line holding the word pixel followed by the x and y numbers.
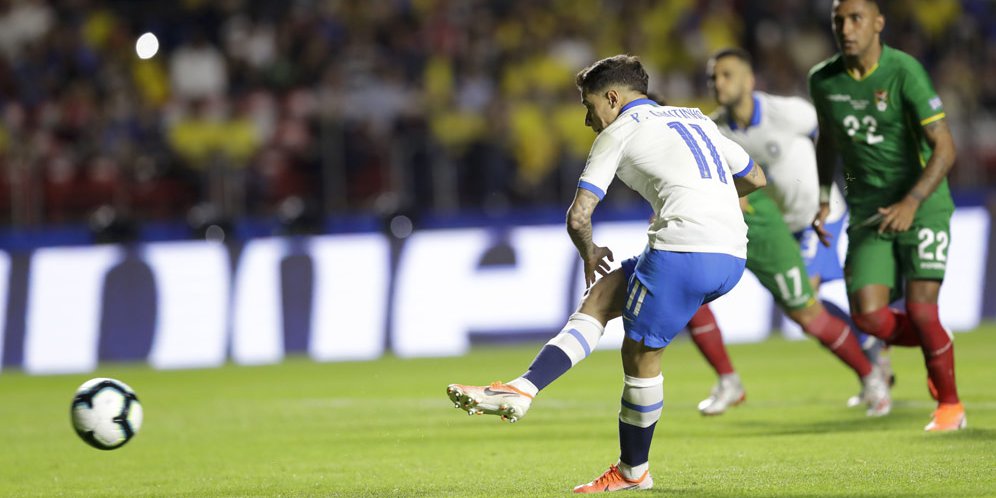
pixel 853 125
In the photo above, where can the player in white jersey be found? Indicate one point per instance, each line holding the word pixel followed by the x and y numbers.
pixel 778 132
pixel 692 176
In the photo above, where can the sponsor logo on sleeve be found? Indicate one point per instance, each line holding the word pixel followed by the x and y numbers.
pixel 935 103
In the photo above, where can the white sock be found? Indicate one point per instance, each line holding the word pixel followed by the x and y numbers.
pixel 633 472
pixel 524 385
pixel 642 401
pixel 579 337
pixel 730 376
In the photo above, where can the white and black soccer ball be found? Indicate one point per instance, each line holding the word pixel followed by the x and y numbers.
pixel 106 413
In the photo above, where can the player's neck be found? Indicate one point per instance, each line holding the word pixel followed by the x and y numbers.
pixel 862 65
pixel 742 111
pixel 628 97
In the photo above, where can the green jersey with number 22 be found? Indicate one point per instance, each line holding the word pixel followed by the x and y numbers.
pixel 877 125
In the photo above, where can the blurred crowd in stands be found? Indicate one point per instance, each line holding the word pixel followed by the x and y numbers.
pixel 257 108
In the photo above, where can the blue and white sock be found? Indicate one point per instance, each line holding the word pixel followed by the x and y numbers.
pixel 642 403
pixel 574 343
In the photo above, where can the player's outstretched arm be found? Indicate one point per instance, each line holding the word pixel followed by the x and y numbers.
pixel 753 180
pixel 595 258
pixel 899 216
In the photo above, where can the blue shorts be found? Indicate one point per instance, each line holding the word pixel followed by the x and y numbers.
pixel 664 289
pixel 822 261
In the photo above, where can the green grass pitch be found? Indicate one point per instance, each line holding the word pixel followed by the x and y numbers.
pixel 386 428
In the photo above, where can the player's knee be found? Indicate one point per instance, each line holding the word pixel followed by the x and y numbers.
pixel 811 318
pixel 923 314
pixel 878 323
pixel 605 291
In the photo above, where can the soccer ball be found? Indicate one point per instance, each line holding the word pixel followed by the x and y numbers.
pixel 106 413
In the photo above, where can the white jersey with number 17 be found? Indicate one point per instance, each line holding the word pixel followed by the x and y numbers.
pixel 678 161
pixel 780 137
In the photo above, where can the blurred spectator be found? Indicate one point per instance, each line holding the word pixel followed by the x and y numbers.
pixel 422 105
pixel 197 70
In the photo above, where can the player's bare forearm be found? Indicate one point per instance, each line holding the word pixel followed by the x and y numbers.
pixel 941 160
pixel 753 180
pixel 826 165
pixel 596 259
pixel 826 157
pixel 899 216
pixel 579 221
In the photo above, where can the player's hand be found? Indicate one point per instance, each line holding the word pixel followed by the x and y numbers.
pixel 899 216
pixel 596 262
pixel 820 222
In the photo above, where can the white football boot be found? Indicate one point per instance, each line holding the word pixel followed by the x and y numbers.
pixel 500 399
pixel 875 393
pixel 880 358
pixel 727 392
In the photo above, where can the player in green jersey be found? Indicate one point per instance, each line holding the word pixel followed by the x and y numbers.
pixel 878 109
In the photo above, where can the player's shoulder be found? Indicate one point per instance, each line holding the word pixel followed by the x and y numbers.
pixel 784 111
pixel 901 61
pixel 782 103
pixel 826 69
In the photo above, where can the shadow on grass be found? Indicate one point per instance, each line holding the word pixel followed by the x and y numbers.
pixel 969 434
pixel 911 422
pixel 782 427
pixel 694 492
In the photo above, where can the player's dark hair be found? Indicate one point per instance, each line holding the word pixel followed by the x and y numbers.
pixel 622 70
pixel 875 3
pixel 737 52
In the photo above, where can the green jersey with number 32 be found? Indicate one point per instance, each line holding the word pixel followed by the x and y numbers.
pixel 877 125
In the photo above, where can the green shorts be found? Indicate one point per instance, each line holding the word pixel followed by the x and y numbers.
pixel 920 253
pixel 773 254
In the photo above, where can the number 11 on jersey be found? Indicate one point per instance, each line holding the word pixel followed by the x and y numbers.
pixel 697 151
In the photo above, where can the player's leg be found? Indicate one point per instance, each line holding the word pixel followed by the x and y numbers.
pixel 938 354
pixel 666 288
pixel 728 391
pixel 581 334
pixel 641 405
pixel 922 255
pixel 823 265
pixel 835 335
pixel 705 333
pixel 872 283
pixel 773 255
pixel 576 340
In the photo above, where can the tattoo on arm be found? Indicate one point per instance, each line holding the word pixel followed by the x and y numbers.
pixel 579 221
pixel 941 160
pixel 754 172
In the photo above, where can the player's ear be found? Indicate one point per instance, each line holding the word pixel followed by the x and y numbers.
pixel 613 97
pixel 879 22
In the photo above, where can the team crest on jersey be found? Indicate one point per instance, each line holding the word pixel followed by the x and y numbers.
pixel 881 100
pixel 773 149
